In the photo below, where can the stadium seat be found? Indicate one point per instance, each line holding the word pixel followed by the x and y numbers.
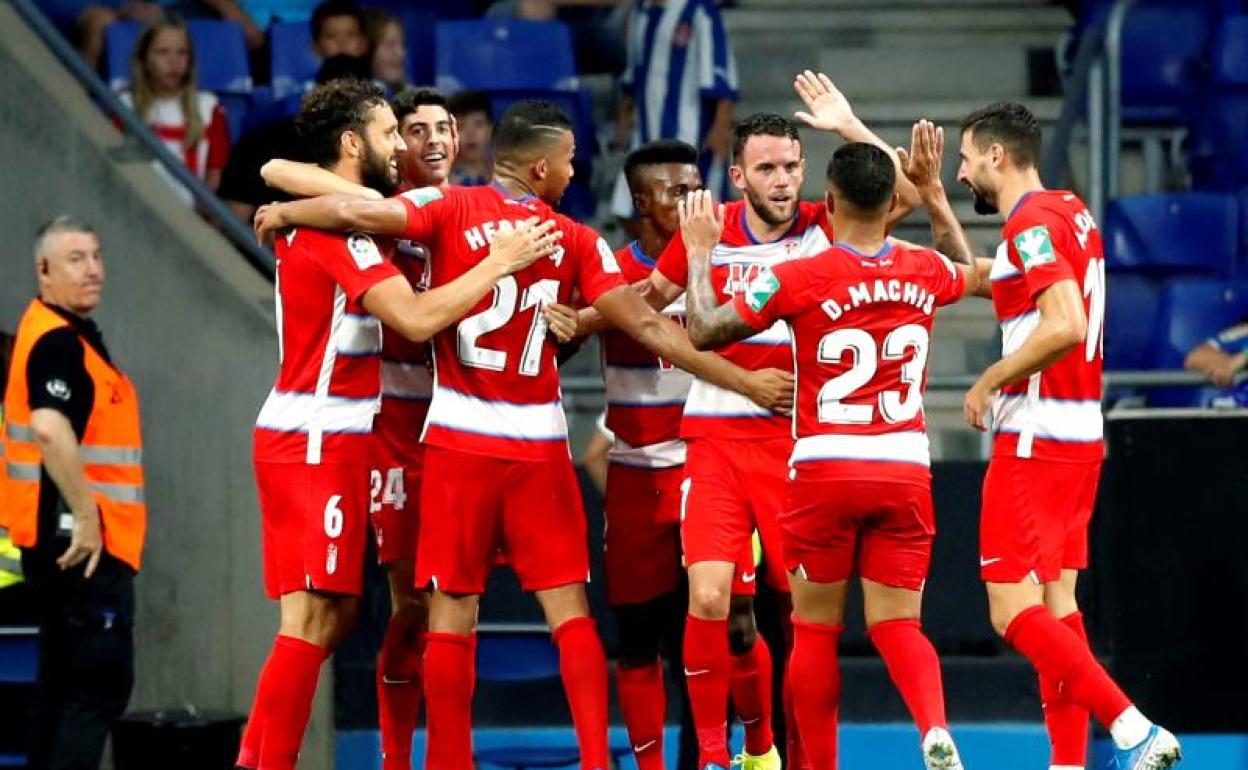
pixel 504 55
pixel 292 61
pixel 119 42
pixel 1130 321
pixel 1218 157
pixel 1172 233
pixel 1192 310
pixel 221 56
pixel 1230 51
pixel 1164 46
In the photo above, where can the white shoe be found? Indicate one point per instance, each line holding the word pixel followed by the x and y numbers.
pixel 939 753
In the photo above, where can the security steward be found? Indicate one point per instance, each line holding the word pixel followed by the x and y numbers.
pixel 73 500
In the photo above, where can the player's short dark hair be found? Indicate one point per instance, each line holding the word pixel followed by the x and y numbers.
pixel 526 126
pixel 468 102
pixel 330 109
pixel 409 100
pixel 863 175
pixel 657 153
pixel 328 9
pixel 761 124
pixel 1009 124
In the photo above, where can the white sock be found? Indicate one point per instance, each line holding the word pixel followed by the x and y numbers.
pixel 1130 728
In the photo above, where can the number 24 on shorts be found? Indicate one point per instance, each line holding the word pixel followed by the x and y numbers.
pixel 388 490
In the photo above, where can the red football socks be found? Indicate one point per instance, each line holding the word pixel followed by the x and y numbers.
pixel 707 664
pixel 643 704
pixel 1059 655
pixel 398 693
pixel 815 682
pixel 249 747
pixel 1066 720
pixel 583 667
pixel 751 696
pixel 449 672
pixel 284 700
pixel 914 668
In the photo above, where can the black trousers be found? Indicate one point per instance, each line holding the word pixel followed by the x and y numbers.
pixel 86 658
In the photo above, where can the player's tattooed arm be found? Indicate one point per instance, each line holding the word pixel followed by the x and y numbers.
pixel 829 110
pixel 306 180
pixel 333 212
pixel 711 325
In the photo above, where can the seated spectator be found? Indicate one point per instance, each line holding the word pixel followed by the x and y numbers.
pixel 91 19
pixel 163 92
pixel 475 122
pixel 338 29
pixel 242 189
pixel 387 49
pixel 1221 358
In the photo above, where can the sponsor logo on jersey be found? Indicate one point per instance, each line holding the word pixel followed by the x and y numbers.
pixel 363 251
pixel 423 196
pixel 1035 247
pixel 761 290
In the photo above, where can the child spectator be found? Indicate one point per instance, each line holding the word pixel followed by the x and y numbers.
pixel 163 93
pixel 475 122
pixel 387 49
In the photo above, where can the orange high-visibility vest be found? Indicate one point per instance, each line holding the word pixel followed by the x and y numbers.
pixel 111 447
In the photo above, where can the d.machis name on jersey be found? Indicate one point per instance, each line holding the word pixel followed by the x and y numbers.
pixel 882 290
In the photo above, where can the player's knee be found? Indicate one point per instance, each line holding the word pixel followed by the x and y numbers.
pixel 709 601
pixel 1001 615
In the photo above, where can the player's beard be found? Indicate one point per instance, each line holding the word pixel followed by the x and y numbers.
pixel 767 211
pixel 377 172
pixel 983 206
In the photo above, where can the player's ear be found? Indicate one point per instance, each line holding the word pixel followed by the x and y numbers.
pixel 894 202
pixel 540 168
pixel 349 144
pixel 831 201
pixel 737 175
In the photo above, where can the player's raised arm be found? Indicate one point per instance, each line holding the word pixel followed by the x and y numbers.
pixel 307 180
pixel 829 110
pixel 921 165
pixel 711 325
pixel 334 212
pixel 420 316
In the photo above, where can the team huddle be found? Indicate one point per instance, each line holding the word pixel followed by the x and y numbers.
pixel 764 363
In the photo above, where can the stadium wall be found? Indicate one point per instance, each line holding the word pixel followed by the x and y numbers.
pixel 192 324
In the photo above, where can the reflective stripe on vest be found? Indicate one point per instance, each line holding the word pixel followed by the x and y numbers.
pixel 110 449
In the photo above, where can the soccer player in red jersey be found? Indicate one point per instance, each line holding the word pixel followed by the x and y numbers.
pixel 1042 401
pixel 496 434
pixel 736 466
pixel 312 444
pixel 859 489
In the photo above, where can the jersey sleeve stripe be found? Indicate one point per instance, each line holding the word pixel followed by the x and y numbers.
pixel 358 335
pixel 903 447
pixel 454 410
pixel 776 334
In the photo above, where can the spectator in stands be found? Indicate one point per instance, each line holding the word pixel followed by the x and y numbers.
pixel 664 99
pixel 387 49
pixel 474 120
pixel 1222 357
pixel 598 27
pixel 90 21
pixel 163 92
pixel 242 189
pixel 338 29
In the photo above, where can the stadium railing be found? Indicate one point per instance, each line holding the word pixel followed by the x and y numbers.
pixel 236 231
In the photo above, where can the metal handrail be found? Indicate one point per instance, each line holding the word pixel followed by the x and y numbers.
pixel 234 229
pixel 1113 94
pixel 1076 88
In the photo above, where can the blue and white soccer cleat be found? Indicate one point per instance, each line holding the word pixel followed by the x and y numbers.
pixel 1158 751
pixel 939 752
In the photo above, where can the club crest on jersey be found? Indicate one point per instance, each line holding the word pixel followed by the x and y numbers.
pixel 761 290
pixel 363 251
pixel 1035 247
pixel 423 196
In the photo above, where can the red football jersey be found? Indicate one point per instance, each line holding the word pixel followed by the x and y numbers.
pixel 328 385
pixel 861 327
pixel 496 384
pixel 645 394
pixel 735 262
pixel 1055 414
pixel 406 383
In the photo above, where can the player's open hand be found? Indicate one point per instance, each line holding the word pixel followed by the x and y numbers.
pixel 269 219
pixel 771 389
pixel 561 320
pixel 977 406
pixel 828 109
pixel 86 543
pixel 701 222
pixel 515 247
pixel 922 163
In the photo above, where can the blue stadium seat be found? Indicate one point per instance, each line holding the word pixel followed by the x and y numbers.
pixel 1163 49
pixel 221 56
pixel 1192 310
pixel 1172 233
pixel 1130 321
pixel 119 40
pixel 1230 51
pixel 504 55
pixel 1218 157
pixel 292 61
